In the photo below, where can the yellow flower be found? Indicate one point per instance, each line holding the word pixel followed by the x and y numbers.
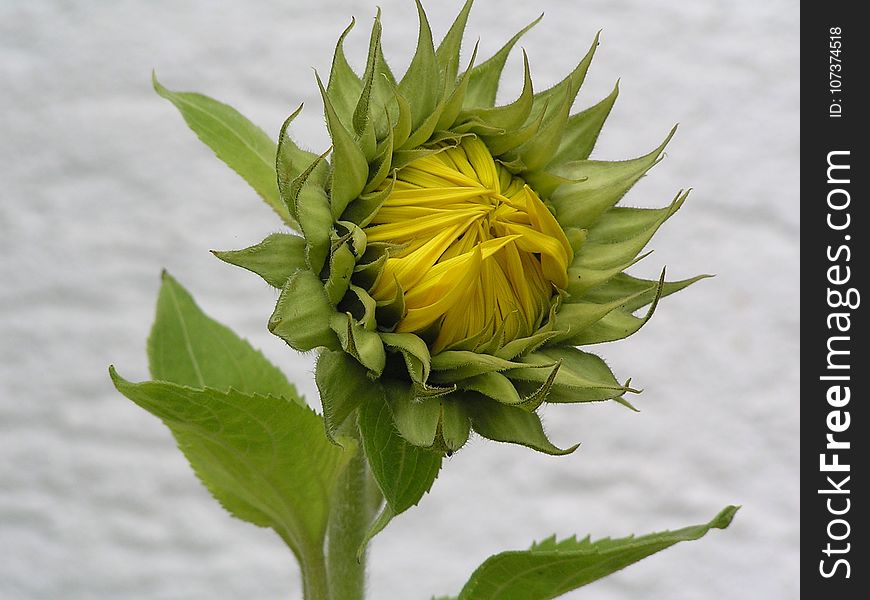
pixel 478 254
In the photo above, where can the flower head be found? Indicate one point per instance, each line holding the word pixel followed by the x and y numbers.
pixel 456 252
pixel 477 254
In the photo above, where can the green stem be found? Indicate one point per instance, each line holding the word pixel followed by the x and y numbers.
pixel 314 579
pixel 348 523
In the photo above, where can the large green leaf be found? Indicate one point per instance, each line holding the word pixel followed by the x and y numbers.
pixel 186 347
pixel 243 146
pixel 264 458
pixel 550 568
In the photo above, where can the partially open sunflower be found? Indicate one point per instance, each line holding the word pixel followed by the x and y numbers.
pixel 456 253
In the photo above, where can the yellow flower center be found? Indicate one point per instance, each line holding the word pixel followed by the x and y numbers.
pixel 478 254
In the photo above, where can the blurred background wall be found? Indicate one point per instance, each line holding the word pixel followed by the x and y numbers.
pixel 103 185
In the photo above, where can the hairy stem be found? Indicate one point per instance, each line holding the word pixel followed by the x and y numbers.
pixel 314 579
pixel 351 516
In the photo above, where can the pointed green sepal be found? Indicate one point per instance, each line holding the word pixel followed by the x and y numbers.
pixel 365 346
pixel 568 87
pixel 622 233
pixel 350 167
pixel 582 377
pixel 341 263
pixel 618 324
pixel 302 314
pixel 511 424
pixel 483 84
pixel 454 365
pixel 344 85
pixel 510 116
pixel 641 291
pixel 492 385
pixel 344 386
pixel 421 83
pixel 403 472
pixel 598 186
pixel 415 418
pixel 447 54
pixel 455 422
pixel 582 130
pixel 274 259
pixel 312 207
pixel 414 351
pixel 290 162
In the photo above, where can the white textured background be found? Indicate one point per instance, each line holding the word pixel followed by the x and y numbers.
pixel 102 186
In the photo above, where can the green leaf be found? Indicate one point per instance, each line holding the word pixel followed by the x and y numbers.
pixel 550 569
pixel 265 459
pixel 302 314
pixel 404 472
pixel 582 131
pixel 189 348
pixel 274 259
pixel 503 423
pixel 484 78
pixel 243 146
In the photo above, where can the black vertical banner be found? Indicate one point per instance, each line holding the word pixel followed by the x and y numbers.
pixel 835 56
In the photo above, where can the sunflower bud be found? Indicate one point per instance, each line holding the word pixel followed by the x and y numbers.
pixel 455 253
pixel 477 254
